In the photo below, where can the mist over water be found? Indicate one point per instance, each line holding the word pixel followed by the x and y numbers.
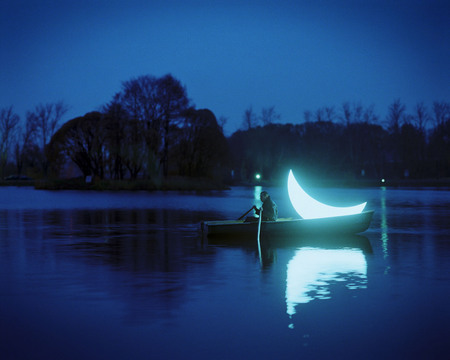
pixel 127 275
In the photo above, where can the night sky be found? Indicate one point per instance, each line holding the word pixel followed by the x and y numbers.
pixel 230 55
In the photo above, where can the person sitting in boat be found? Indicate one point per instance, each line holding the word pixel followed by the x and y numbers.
pixel 270 210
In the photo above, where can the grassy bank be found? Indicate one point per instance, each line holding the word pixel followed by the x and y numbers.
pixel 17 182
pixel 199 184
pixel 174 183
pixel 358 183
pixel 390 183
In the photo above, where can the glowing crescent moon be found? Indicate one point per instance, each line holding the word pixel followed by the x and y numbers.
pixel 309 208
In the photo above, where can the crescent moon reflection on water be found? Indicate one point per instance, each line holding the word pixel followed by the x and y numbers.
pixel 309 208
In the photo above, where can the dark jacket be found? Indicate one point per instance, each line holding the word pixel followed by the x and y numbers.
pixel 270 210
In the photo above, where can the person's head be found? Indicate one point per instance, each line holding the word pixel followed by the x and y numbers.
pixel 264 195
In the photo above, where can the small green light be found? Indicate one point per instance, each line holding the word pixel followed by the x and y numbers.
pixel 258 176
pixel 383 180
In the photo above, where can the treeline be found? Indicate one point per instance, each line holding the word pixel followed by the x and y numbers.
pixel 150 130
pixel 348 143
pixel 147 131
pixel 23 148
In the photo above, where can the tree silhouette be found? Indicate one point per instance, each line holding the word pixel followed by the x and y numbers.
pixel 24 147
pixel 115 122
pixel 156 106
pixel 172 102
pixel 45 119
pixel 150 129
pixel 249 119
pixel 202 149
pixel 9 121
pixel 269 115
pixel 82 140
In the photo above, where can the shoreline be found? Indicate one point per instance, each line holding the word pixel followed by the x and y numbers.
pixel 203 184
pixel 175 183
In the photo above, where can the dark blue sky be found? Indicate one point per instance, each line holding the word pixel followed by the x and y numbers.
pixel 294 55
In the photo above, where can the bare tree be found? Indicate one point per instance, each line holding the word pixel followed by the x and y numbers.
pixel 319 115
pixel 172 102
pixel 330 114
pixel 24 144
pixel 441 111
pixel 326 113
pixel 138 98
pixel 395 116
pixel 269 115
pixel 369 116
pixel 156 104
pixel 346 116
pixel 8 124
pixel 138 104
pixel 307 116
pixel 45 119
pixel 356 113
pixel 82 140
pixel 249 119
pixel 202 146
pixel 421 116
pixel 116 118
pixel 222 121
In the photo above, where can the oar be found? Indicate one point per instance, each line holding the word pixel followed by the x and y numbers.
pixel 259 234
pixel 245 213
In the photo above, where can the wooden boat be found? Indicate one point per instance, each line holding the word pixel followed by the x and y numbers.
pixel 273 242
pixel 347 224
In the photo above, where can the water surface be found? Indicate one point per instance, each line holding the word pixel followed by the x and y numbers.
pixel 126 275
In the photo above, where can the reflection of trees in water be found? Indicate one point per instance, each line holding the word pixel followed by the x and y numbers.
pixel 137 240
pixel 146 259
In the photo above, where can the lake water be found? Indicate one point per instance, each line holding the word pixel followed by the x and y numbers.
pixel 125 275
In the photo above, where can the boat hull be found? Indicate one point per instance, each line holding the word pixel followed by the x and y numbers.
pixel 348 224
